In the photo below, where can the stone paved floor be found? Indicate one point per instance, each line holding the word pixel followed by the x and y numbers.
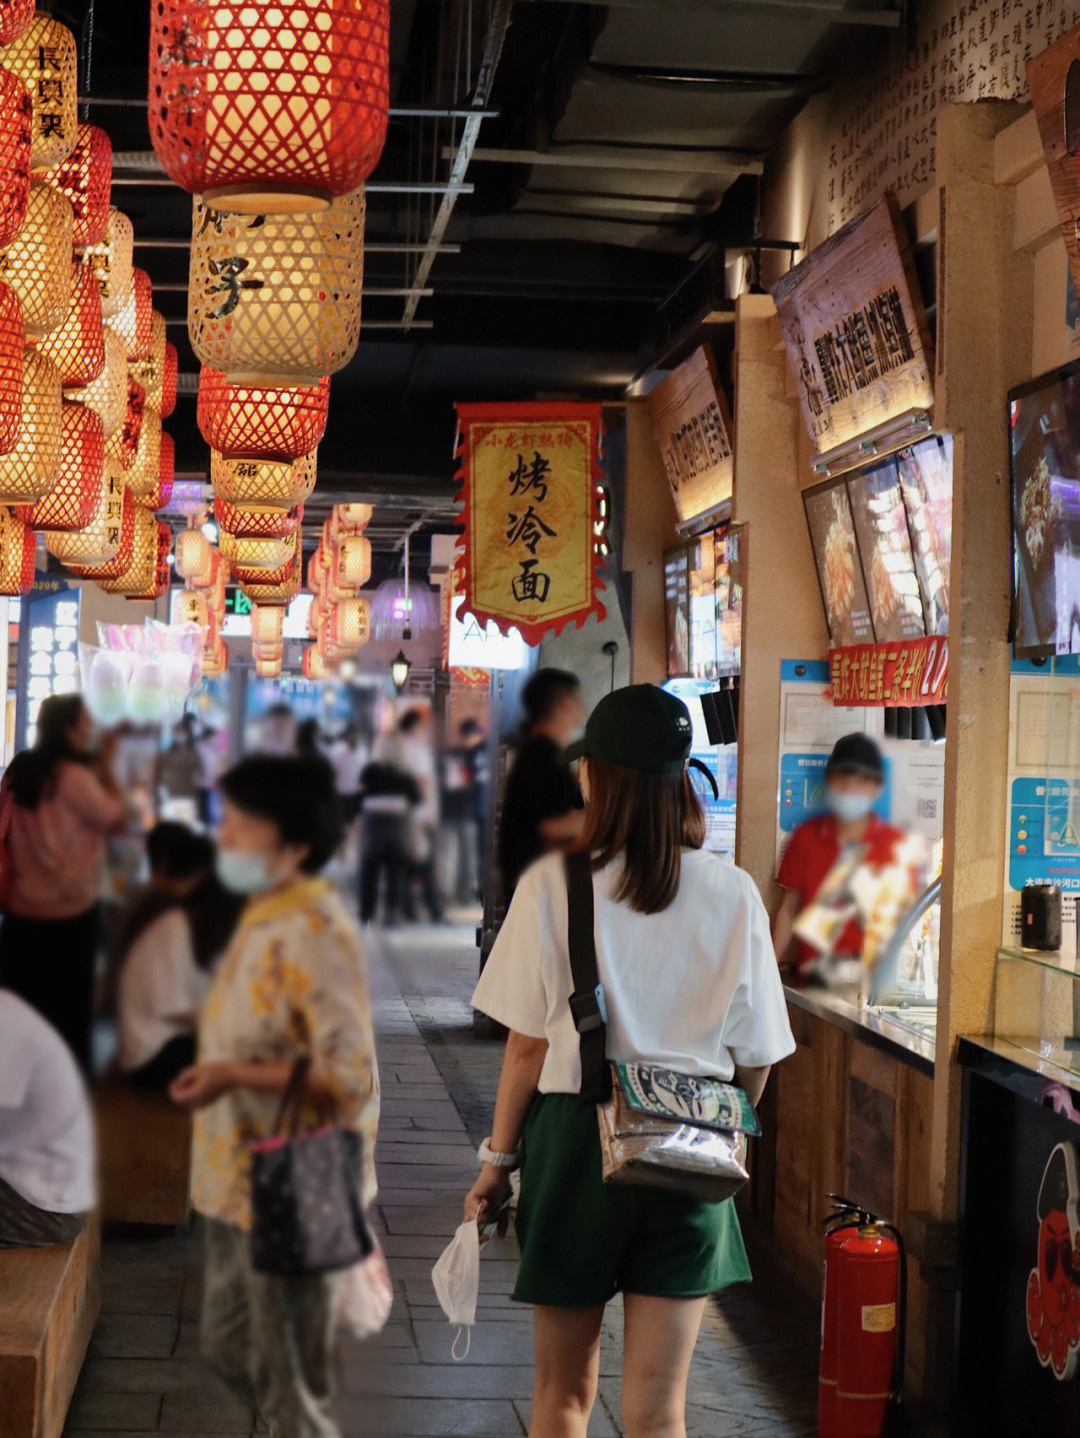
pixel 753 1376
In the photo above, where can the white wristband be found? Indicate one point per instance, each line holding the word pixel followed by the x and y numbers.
pixel 487 1154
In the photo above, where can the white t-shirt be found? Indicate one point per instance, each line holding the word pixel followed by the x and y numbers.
pixel 46 1130
pixel 160 982
pixel 695 988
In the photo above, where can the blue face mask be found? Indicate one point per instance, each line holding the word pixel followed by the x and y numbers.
pixel 243 873
pixel 849 808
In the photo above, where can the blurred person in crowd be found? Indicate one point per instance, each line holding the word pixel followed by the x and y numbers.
pixel 462 784
pixel 212 745
pixel 180 767
pixel 172 939
pixel 47 1155
pixel 348 755
pixel 409 749
pixel 277 732
pixel 388 797
pixel 309 739
pixel 824 848
pixel 64 802
pixel 292 986
pixel 543 807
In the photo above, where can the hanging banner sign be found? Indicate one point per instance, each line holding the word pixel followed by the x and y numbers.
pixel 898 675
pixel 1054 81
pixel 855 330
pixel 530 477
pixel 693 429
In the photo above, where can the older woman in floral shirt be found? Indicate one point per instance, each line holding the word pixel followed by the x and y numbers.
pixel 292 984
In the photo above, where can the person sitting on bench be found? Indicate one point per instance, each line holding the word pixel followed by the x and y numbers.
pixel 47 1158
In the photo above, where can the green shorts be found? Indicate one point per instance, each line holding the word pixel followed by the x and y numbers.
pixel 583 1240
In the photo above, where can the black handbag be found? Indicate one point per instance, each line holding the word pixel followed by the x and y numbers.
pixel 306 1207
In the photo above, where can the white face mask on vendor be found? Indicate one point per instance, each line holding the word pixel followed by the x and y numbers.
pixel 849 808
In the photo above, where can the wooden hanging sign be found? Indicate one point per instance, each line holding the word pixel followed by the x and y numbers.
pixel 855 330
pixel 693 429
pixel 1054 80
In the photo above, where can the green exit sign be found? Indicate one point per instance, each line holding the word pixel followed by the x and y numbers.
pixel 237 602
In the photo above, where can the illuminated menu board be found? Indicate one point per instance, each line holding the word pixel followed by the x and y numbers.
pixel 877 505
pixel 50 632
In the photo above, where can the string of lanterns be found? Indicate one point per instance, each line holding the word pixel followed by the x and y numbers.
pixel 339 620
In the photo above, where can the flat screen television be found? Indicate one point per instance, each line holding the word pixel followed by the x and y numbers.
pixel 881 526
pixel 926 480
pixel 1044 430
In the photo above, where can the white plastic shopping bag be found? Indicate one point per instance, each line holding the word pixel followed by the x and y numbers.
pixel 456 1277
pixel 365 1296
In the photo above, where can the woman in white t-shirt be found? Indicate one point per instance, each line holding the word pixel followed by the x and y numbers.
pixel 690 982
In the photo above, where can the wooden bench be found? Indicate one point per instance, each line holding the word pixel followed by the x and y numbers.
pixel 49 1300
pixel 144 1152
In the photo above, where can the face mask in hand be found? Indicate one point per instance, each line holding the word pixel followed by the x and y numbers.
pixel 849 808
pixel 456 1278
pixel 243 873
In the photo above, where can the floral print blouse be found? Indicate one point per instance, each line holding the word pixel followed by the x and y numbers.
pixel 293 982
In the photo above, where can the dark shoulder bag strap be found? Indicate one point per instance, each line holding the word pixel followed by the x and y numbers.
pixel 584 1001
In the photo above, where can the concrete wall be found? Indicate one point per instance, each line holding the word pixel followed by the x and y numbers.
pixel 650 529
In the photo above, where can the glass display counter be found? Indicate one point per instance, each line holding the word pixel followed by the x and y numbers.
pixel 1037 1005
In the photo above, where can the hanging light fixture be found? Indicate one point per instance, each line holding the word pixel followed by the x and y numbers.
pixel 140 571
pixel 111 261
pixel 193 561
pixel 265 592
pixel 108 394
pixel 276 301
pixel 268 668
pixel 134 319
pixel 349 519
pixel 352 561
pixel 85 177
pixel 16 128
pixel 314 665
pixel 45 57
pixel 166 472
pixel 399 670
pixel 144 475
pixel 257 521
pixel 192 608
pixel 168 382
pixel 259 554
pixel 71 503
pixel 37 263
pixel 103 548
pixel 268 109
pixel 123 444
pixel 267 623
pixel 350 624
pixel 278 422
pixel 12 342
pixel 15 19
pixel 28 470
pixel 18 548
pixel 150 372
pixel 264 481
pixel 77 344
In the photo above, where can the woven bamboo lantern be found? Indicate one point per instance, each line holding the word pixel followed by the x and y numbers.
pixel 17 550
pixel 263 649
pixel 28 470
pixel 216 661
pixel 191 608
pixel 144 475
pixel 349 519
pixel 71 503
pixel 258 554
pixel 141 569
pixel 12 340
pixel 268 668
pixel 108 393
pixel 269 422
pixel 45 57
pixel 269 108
pixel 314 665
pixel 193 557
pixel 352 561
pixel 168 381
pixel 257 522
pixel 276 302
pixel 106 540
pixel 123 444
pixel 150 372
pixel 265 592
pixel 267 623
pixel 85 177
pixel 77 344
pixel 15 19
pixel 166 474
pixel 350 624
pixel 37 263
pixel 134 319
pixel 16 128
pixel 250 482
pixel 111 261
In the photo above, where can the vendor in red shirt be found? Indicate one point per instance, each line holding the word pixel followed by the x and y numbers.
pixel 854 778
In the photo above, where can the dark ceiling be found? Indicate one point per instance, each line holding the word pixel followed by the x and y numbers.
pixel 620 148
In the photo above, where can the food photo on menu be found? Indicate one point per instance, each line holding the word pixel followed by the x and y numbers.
pixel 877 504
pixel 843 589
pixel 926 481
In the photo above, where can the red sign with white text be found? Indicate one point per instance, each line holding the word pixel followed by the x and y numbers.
pixel 897 675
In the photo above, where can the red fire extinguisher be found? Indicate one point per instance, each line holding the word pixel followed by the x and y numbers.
pixel 862 1330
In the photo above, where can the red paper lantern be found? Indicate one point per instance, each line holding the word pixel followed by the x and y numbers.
pixel 16 132
pixel 268 108
pixel 168 381
pixel 77 344
pixel 279 423
pixel 85 177
pixel 134 320
pixel 15 18
pixel 12 341
pixel 259 522
pixel 71 503
pixel 18 550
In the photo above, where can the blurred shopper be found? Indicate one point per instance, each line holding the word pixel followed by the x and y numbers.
pixel 689 981
pixel 47 1155
pixel 292 986
pixel 409 749
pixel 543 804
pixel 212 745
pixel 348 757
pixel 387 800
pixel 847 834
pixel 309 740
pixel 462 780
pixel 64 803
pixel 172 940
pixel 277 732
pixel 179 772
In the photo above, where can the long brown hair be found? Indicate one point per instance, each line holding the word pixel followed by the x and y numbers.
pixel 647 820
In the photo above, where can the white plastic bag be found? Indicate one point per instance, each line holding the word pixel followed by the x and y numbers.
pixel 365 1296
pixel 456 1277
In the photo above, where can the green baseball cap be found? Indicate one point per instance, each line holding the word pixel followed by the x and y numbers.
pixel 640 727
